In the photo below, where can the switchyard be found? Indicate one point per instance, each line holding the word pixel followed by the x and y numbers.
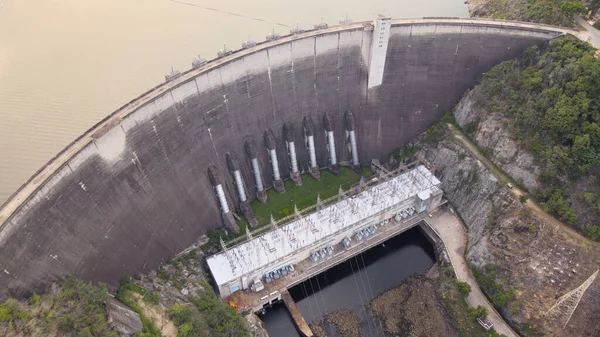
pixel 257 273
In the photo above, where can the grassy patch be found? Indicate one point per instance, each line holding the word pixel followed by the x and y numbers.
pixel 282 205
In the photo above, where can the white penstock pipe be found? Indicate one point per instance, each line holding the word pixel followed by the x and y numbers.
pixel 331 144
pixel 292 148
pixel 354 148
pixel 311 151
pixel 222 199
pixel 275 164
pixel 257 176
pixel 240 185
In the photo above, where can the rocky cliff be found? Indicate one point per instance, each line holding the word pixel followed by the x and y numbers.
pixel 523 262
pixel 491 131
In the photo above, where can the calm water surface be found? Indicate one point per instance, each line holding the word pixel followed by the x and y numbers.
pixel 354 283
pixel 65 64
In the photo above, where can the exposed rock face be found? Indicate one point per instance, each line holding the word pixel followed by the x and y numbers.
pixel 473 190
pixel 492 134
pixel 126 321
pixel 535 259
pixel 256 326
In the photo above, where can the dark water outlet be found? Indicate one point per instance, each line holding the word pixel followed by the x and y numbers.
pixel 354 283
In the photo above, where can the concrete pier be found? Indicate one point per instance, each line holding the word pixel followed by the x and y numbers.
pixel 296 314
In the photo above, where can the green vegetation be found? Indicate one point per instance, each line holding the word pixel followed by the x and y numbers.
pixel 597 24
pixel 501 295
pixel 463 318
pixel 523 199
pixel 282 205
pixel 552 98
pixel 479 312
pixel 125 294
pixel 207 317
pixel 74 308
pixel 553 12
pixel 463 288
pixel 593 232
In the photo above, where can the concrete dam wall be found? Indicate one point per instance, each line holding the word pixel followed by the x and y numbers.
pixel 134 190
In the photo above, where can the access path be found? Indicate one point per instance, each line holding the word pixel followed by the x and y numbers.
pixel 516 191
pixel 453 235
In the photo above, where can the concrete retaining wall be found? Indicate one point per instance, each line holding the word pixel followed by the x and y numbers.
pixel 136 192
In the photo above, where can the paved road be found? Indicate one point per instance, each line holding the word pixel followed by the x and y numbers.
pixel 591 35
pixel 453 234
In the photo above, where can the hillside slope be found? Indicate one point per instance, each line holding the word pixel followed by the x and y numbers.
pixel 553 12
pixel 522 262
pixel 538 118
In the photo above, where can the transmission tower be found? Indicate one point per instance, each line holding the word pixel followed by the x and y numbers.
pixel 248 234
pixel 273 223
pixel 319 202
pixel 565 306
pixel 222 244
pixel 297 212
pixel 341 194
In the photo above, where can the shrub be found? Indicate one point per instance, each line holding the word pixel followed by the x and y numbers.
pixel 180 314
pixel 499 300
pixel 593 232
pixel 523 199
pixel 463 288
pixel 479 312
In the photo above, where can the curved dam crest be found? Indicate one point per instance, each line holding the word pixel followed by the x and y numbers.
pixel 134 191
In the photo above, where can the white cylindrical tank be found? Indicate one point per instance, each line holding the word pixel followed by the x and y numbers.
pixel 222 199
pixel 237 175
pixel 257 176
pixel 292 149
pixel 331 143
pixel 354 148
pixel 311 151
pixel 275 164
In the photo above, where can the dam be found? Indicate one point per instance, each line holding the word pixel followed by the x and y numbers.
pixel 136 189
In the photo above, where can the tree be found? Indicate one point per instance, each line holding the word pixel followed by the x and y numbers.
pixel 479 312
pixel 570 8
pixel 499 300
pixel 593 232
pixel 463 288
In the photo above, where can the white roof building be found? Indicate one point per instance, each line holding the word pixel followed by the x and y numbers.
pixel 272 248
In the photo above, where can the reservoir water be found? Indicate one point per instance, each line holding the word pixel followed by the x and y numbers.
pixel 66 64
pixel 353 284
